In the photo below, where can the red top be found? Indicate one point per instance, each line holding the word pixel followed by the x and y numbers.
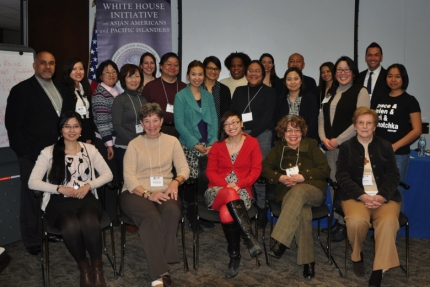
pixel 247 165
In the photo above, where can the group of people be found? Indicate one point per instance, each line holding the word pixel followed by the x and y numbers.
pixel 148 139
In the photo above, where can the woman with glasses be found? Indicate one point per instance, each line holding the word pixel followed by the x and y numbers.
pixel 220 92
pixel 334 123
pixel 102 100
pixel 234 164
pixel 70 200
pixel 256 103
pixel 298 168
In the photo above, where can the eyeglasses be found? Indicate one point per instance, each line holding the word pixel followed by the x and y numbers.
pixel 113 73
pixel 291 131
pixel 258 72
pixel 346 71
pixel 210 69
pixel 68 127
pixel 234 123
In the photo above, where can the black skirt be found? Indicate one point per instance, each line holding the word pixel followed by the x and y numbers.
pixel 58 204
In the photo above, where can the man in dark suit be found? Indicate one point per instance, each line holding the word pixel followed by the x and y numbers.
pixel 297 60
pixel 32 113
pixel 374 78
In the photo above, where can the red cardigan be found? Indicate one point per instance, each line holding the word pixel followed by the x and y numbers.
pixel 247 165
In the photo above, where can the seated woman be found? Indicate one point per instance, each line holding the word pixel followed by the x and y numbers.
pixel 368 190
pixel 150 193
pixel 234 164
pixel 299 170
pixel 70 168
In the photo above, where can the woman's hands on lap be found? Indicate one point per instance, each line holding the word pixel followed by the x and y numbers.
pixel 291 180
pixel 172 190
pixel 159 197
pixel 76 193
pixel 372 202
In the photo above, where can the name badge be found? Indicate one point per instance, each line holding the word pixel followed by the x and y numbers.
pixel 82 111
pixel 139 129
pixel 326 99
pixel 58 113
pixel 247 117
pixel 293 170
pixel 156 181
pixel 367 179
pixel 169 108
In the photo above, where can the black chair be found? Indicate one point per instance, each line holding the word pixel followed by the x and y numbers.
pixel 46 230
pixel 203 212
pixel 318 213
pixel 403 222
pixel 125 220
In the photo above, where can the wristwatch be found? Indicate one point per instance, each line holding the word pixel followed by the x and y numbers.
pixel 146 192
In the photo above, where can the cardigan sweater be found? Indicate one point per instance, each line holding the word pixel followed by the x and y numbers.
pixel 43 166
pixel 153 157
pixel 125 116
pixel 102 102
pixel 350 164
pixel 247 165
pixel 188 114
pixel 312 165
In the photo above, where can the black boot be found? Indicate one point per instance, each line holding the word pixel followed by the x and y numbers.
pixel 232 233
pixel 238 212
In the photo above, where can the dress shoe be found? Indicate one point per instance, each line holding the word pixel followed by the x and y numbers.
pixel 55 239
pixel 34 250
pixel 332 229
pixel 207 224
pixel 375 279
pixel 277 250
pixel 358 267
pixel 309 270
pixel 339 234
pixel 167 280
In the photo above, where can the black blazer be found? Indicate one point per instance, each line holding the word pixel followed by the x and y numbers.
pixel 381 88
pixel 31 120
pixel 224 98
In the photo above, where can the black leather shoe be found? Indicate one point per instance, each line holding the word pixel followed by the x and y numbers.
pixel 339 234
pixel 309 270
pixel 358 267
pixel 55 239
pixel 277 250
pixel 34 250
pixel 332 229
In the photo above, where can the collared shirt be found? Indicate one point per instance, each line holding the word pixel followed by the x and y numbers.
pixel 52 93
pixel 375 75
pixel 112 90
pixel 294 107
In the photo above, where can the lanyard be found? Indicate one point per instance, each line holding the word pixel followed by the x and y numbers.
pixel 134 108
pixel 297 160
pixel 249 101
pixel 177 89
pixel 149 154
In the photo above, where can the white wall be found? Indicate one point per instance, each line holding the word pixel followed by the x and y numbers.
pixel 402 28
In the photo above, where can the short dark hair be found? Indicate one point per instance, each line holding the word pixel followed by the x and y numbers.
pixel 102 66
pixel 224 117
pixel 351 64
pixel 403 74
pixel 244 57
pixel 127 70
pixel 195 63
pixel 168 55
pixel 299 72
pixel 153 58
pixel 214 60
pixel 256 62
pixel 374 45
pixel 296 122
pixel 69 83
pixel 149 109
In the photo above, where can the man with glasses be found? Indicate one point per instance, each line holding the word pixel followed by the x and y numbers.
pixel 374 78
pixel 32 112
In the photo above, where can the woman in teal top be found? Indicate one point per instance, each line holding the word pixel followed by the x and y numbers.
pixel 195 117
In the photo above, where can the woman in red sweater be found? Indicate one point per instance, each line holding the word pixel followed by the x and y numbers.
pixel 234 164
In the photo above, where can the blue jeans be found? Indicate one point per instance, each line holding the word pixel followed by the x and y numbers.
pixel 402 162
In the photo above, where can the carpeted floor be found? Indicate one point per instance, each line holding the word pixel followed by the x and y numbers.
pixel 23 269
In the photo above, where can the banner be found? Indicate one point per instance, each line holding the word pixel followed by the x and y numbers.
pixel 128 28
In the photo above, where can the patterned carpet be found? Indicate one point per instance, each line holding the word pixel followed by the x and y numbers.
pixel 22 269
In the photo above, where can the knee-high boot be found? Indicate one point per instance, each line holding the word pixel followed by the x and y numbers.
pixel 232 233
pixel 238 212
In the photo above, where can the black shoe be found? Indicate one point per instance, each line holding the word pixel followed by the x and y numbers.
pixel 232 233
pixel 34 250
pixel 277 250
pixel 309 270
pixel 207 224
pixel 262 218
pixel 358 267
pixel 191 225
pixel 375 279
pixel 55 239
pixel 339 234
pixel 332 229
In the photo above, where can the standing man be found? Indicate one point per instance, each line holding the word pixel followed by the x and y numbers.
pixel 32 113
pixel 297 60
pixel 374 78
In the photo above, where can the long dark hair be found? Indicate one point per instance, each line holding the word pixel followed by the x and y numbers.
pixel 59 174
pixel 273 77
pixel 154 74
pixel 322 85
pixel 69 83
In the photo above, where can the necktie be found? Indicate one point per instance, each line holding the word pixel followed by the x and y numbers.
pixel 369 83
